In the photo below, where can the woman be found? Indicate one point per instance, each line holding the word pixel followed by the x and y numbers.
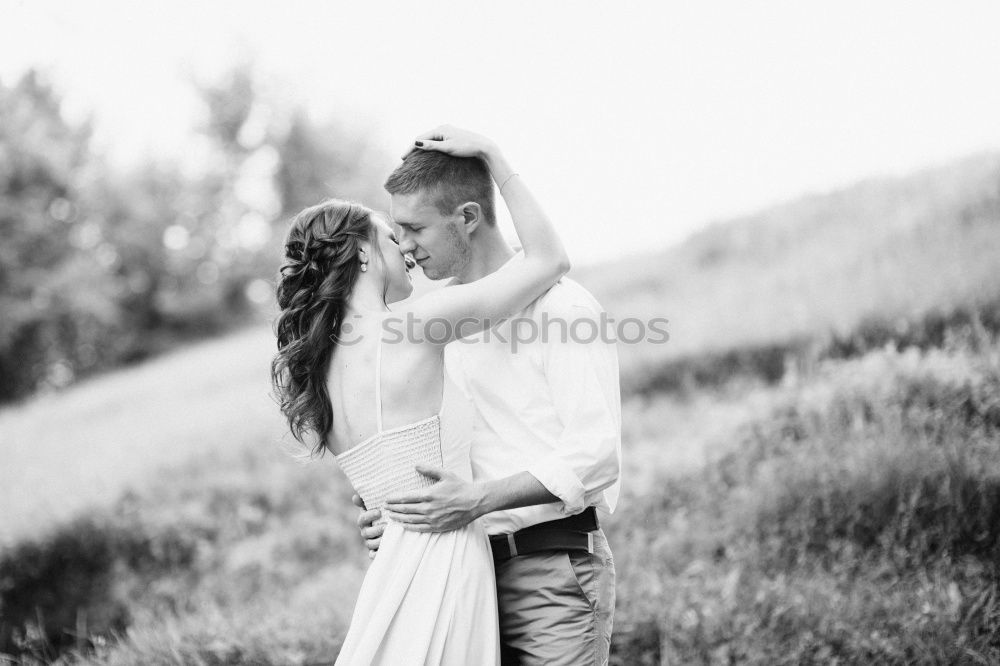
pixel 428 597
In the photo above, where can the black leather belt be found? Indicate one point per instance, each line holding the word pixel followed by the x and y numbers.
pixel 572 533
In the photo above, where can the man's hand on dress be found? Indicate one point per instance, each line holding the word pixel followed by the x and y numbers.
pixel 449 504
pixel 372 534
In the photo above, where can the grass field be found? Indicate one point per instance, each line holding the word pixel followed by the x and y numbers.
pixel 844 512
pixel 896 247
pixel 112 432
pixel 193 533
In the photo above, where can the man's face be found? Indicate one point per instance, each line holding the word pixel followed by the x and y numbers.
pixel 438 242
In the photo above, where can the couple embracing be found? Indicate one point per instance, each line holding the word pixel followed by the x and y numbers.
pixel 481 469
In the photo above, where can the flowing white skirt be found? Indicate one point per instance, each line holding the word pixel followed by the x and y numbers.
pixel 427 598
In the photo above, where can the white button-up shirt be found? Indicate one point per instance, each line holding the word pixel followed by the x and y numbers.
pixel 550 405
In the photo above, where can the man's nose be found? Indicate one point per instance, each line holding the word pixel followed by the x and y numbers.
pixel 407 246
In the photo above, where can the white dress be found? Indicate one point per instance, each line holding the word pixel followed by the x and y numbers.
pixel 428 597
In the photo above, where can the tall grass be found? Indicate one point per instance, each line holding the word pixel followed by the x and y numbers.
pixel 244 558
pixel 685 375
pixel 858 521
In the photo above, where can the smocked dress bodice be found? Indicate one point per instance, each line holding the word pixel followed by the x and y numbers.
pixel 384 464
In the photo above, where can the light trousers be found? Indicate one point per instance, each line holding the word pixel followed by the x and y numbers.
pixel 557 607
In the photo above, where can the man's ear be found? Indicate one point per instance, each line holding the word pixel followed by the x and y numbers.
pixel 472 216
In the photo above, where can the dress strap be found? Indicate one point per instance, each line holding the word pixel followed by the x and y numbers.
pixel 378 383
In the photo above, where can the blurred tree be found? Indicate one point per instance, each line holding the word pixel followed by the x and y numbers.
pixel 321 160
pixel 43 160
pixel 100 267
pixel 230 102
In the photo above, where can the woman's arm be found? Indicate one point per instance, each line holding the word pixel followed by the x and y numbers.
pixel 471 307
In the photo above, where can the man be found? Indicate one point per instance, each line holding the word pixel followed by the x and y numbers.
pixel 546 449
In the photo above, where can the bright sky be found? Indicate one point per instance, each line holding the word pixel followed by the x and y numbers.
pixel 635 123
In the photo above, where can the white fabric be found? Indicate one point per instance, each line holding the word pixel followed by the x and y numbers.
pixel 427 598
pixel 551 407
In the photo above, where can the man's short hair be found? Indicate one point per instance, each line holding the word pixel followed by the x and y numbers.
pixel 451 181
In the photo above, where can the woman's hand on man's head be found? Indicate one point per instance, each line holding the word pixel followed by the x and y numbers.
pixel 453 141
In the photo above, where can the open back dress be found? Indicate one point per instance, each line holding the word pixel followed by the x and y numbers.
pixel 428 597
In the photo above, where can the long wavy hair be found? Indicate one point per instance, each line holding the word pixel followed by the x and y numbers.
pixel 314 284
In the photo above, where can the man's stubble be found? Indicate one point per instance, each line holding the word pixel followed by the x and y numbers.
pixel 458 254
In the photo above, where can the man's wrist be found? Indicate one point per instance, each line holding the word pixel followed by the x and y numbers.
pixel 486 501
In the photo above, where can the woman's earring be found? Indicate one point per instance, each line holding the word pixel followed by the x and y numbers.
pixel 364 261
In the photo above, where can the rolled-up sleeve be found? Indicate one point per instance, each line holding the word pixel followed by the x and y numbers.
pixel 584 466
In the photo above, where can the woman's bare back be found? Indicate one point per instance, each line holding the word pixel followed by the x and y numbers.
pixel 412 380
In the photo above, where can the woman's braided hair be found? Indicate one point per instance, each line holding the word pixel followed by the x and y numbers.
pixel 314 283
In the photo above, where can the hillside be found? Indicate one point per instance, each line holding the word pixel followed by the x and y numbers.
pixel 84 446
pixel 896 247
pixel 155 514
pixel 893 246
